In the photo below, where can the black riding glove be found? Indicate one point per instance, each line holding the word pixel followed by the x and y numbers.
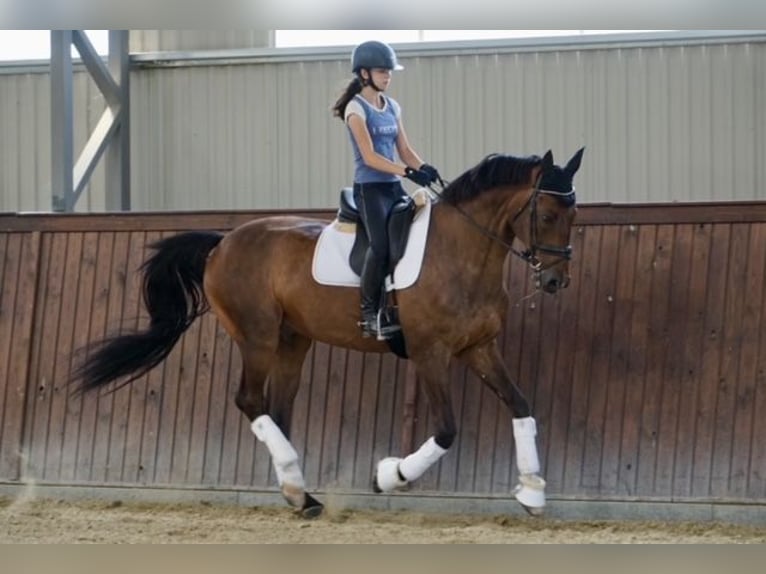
pixel 418 176
pixel 432 172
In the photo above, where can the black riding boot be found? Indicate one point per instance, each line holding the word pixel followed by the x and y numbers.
pixel 373 323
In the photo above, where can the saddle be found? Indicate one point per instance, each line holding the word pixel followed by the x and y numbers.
pixel 399 223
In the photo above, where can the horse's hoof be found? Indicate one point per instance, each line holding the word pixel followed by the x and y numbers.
pixel 295 496
pixel 312 508
pixel 536 511
pixel 530 492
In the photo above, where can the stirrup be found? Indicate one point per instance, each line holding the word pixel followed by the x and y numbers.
pixel 376 328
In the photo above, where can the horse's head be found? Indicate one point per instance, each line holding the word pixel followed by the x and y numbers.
pixel 545 222
pixel 530 198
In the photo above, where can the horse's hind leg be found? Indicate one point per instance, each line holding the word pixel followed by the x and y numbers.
pixel 258 361
pixel 281 389
pixel 268 353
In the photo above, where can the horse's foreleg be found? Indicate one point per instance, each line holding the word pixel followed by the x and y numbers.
pixel 395 473
pixel 486 362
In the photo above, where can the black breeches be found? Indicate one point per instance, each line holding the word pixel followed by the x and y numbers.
pixel 375 201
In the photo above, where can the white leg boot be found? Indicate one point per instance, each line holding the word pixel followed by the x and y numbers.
pixel 387 477
pixel 392 470
pixel 285 458
pixel 530 491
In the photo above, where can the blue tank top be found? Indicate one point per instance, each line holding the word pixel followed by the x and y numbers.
pixel 383 126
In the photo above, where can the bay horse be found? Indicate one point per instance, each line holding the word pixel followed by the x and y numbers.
pixel 257 279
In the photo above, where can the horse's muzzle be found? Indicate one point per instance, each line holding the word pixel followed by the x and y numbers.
pixel 551 282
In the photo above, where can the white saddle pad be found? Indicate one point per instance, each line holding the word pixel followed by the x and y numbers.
pixel 331 267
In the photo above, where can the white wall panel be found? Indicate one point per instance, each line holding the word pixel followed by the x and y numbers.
pixel 174 40
pixel 661 122
pixel 25 153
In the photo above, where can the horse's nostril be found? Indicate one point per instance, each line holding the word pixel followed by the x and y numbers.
pixel 552 285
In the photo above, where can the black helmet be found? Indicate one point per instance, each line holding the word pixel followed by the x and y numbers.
pixel 374 54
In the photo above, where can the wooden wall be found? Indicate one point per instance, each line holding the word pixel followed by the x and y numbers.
pixel 647 375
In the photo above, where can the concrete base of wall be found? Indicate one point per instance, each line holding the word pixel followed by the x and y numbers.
pixel 752 513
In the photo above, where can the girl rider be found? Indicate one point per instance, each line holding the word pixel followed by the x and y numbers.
pixel 374 122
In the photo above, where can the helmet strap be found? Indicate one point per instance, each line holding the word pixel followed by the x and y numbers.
pixel 368 82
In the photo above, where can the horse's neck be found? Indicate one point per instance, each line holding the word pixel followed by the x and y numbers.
pixel 478 234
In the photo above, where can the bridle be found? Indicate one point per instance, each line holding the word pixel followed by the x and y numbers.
pixel 528 255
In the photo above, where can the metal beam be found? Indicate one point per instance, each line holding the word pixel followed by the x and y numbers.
pixel 98 70
pixel 118 151
pixel 93 150
pixel 112 133
pixel 61 121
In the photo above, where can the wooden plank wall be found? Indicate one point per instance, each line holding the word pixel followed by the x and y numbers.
pixel 647 375
pixel 19 271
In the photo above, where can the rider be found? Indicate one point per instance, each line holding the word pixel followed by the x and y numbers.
pixel 375 124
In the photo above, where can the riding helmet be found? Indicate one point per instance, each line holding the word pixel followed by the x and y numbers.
pixel 374 54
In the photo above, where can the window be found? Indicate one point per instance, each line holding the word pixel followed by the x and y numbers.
pixel 297 38
pixel 36 44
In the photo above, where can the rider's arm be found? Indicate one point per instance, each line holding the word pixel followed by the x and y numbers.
pixel 370 157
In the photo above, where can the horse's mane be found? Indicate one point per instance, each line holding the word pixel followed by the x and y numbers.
pixel 493 171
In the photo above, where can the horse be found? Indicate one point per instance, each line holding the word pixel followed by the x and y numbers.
pixel 257 280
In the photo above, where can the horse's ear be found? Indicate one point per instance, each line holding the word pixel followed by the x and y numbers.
pixel 574 164
pixel 547 161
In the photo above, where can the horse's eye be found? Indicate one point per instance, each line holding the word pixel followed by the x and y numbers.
pixel 547 218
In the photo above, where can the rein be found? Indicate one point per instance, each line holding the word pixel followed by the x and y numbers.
pixel 528 255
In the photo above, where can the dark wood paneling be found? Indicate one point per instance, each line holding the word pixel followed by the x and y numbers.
pixel 19 273
pixel 592 214
pixel 655 355
pixel 675 334
pixel 731 345
pixel 553 433
pixel 574 434
pixel 138 401
pixel 369 382
pixel 619 361
pixel 711 358
pixel 639 342
pixel 695 292
pixel 601 349
pixel 104 320
pixel 646 375
pixel 746 385
pixel 756 457
pixel 314 414
pixel 153 398
pixel 350 420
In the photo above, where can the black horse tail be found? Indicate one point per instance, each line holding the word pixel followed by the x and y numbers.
pixel 174 297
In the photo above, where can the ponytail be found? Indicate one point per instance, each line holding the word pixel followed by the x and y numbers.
pixel 353 88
